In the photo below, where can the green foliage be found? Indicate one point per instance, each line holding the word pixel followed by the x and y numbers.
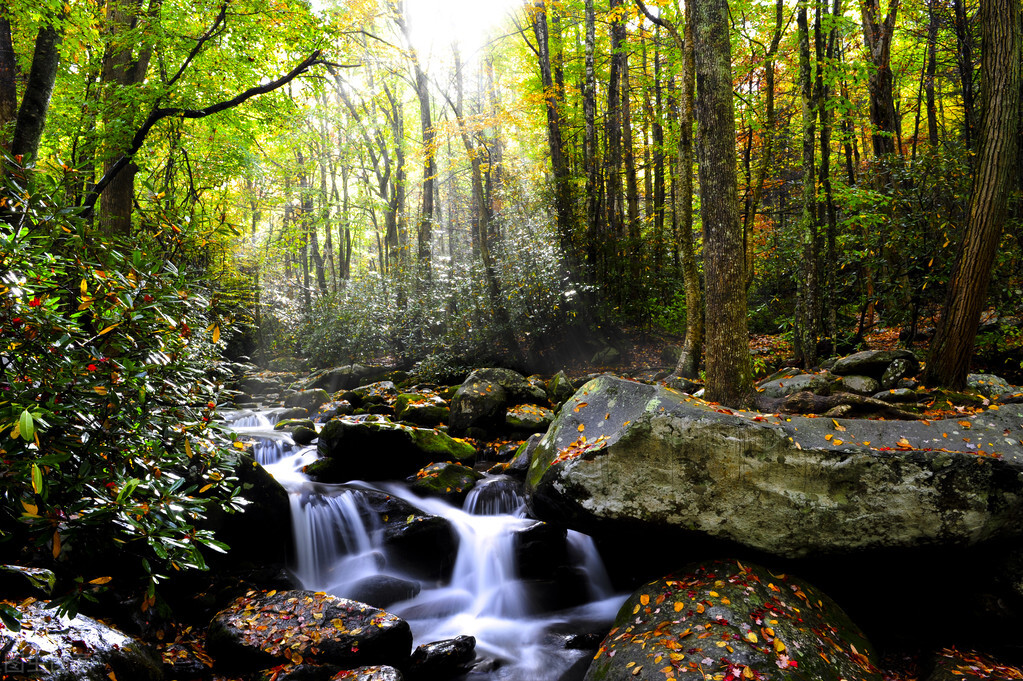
pixel 110 457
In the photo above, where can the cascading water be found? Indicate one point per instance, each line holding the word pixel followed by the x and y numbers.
pixel 341 547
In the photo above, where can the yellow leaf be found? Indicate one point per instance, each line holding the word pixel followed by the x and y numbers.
pixel 216 333
pixel 30 509
pixel 188 448
pixel 56 543
pixel 112 676
pixel 836 441
pixel 751 637
pixel 271 593
pixel 100 390
pixel 100 580
pixel 581 428
pixel 838 426
pixel 204 488
pixel 108 329
pixel 679 605
pixel 238 444
pixel 779 646
pixel 828 436
pixel 84 287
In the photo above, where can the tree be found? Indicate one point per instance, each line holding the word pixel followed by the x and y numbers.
pixel 967 291
pixel 729 372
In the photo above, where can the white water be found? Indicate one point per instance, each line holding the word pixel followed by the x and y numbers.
pixel 339 545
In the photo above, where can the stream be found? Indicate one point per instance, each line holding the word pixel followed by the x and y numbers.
pixel 519 636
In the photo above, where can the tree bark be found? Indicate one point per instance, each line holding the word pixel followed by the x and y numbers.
pixel 8 77
pixel 877 39
pixel 808 287
pixel 964 63
pixel 35 103
pixel 729 372
pixel 967 292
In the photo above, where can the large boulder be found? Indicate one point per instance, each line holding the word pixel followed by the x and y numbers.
pixel 480 401
pixel 375 448
pixel 874 363
pixel 734 621
pixel 307 399
pixel 261 630
pixel 76 648
pixel 623 453
pixel 989 385
pixel 791 383
pixel 339 378
pixel 421 409
pixel 449 481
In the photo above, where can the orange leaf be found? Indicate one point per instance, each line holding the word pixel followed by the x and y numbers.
pixel 581 427
pixel 100 580
pixel 580 406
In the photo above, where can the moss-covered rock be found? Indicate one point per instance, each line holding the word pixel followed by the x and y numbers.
pixel 380 392
pixel 420 409
pixel 559 388
pixel 307 399
pixel 450 481
pixel 732 620
pixel 480 401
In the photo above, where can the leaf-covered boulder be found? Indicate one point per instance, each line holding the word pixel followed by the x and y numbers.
pixel 369 673
pixel 450 481
pixel 529 418
pixel 375 448
pixel 260 630
pixel 874 363
pixel 77 648
pixel 377 393
pixel 481 400
pixel 733 621
pixel 622 454
pixel 422 410
pixel 989 385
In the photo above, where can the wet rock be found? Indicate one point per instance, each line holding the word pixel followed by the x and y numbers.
pixel 989 385
pixel 874 363
pixel 859 385
pixel 951 664
pixel 539 550
pixel 18 582
pixel 442 659
pixel 422 545
pixel 293 413
pixel 290 424
pixel 371 673
pixel 78 648
pixel 789 486
pixel 495 496
pixel 520 462
pixel 761 625
pixel 255 631
pixel 449 481
pixel 480 401
pixel 790 384
pixel 303 436
pixel 382 590
pixel 422 410
pixel 379 449
pixel 307 399
pixel 333 409
pixel 529 418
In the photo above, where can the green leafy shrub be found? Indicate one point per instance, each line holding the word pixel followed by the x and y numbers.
pixel 109 453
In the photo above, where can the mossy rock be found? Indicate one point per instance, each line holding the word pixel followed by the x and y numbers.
pixel 449 481
pixel 291 424
pixel 420 409
pixel 529 418
pixel 732 620
pixel 442 447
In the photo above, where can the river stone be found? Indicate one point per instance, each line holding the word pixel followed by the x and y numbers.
pixel 256 630
pixel 258 385
pixel 622 453
pixel 734 621
pixel 18 582
pixel 785 385
pixel 382 590
pixel 379 449
pixel 860 385
pixel 290 424
pixel 370 673
pixel 424 546
pixel 380 392
pixel 481 400
pixel 529 418
pixel 448 481
pixel 422 410
pixel 333 409
pixel 874 363
pixel 78 648
pixel 988 385
pixel 442 659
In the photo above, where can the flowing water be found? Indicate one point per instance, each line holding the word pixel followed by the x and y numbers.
pixel 340 550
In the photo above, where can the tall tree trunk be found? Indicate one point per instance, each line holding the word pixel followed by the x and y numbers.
pixel 964 63
pixel 877 39
pixel 808 288
pixel 35 103
pixel 613 134
pixel 729 370
pixel 967 291
pixel 932 70
pixel 593 221
pixel 8 77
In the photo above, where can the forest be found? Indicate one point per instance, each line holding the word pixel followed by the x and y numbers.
pixel 719 189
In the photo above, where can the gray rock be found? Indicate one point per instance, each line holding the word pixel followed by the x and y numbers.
pixel 859 385
pixel 254 631
pixel 258 385
pixel 373 393
pixel 898 396
pixel 874 363
pixel 734 621
pixel 339 378
pixel 370 673
pixel 78 648
pixel 789 486
pixel 989 385
pixel 896 371
pixel 789 384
